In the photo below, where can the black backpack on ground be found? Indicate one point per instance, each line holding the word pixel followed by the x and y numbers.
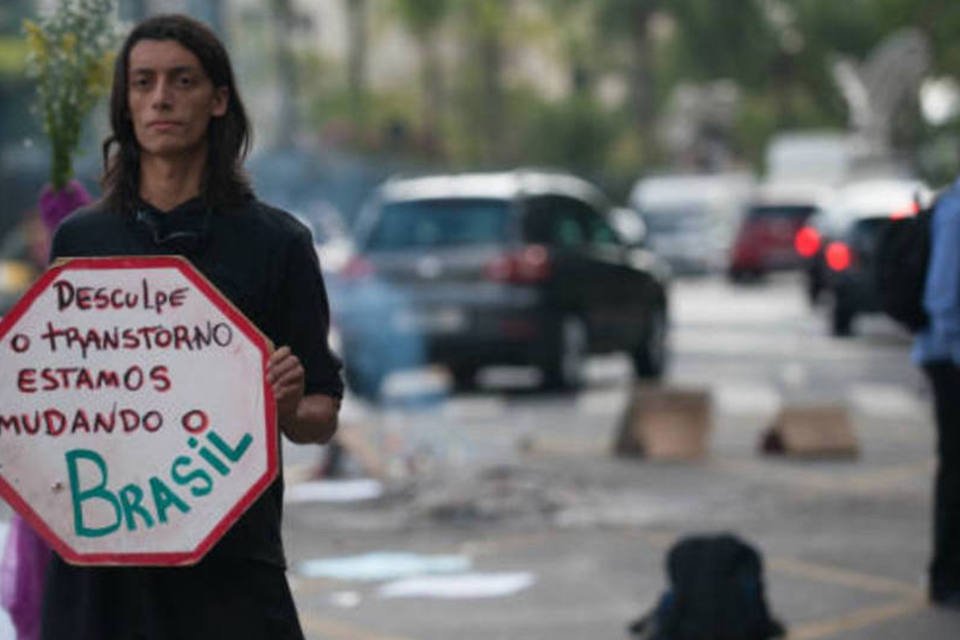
pixel 903 253
pixel 716 593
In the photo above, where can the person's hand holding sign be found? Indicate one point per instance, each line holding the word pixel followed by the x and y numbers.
pixel 285 374
pixel 303 418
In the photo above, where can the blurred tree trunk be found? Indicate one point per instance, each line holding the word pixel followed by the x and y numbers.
pixel 423 19
pixel 576 22
pixel 630 20
pixel 431 79
pixel 491 61
pixel 357 58
pixel 643 81
pixel 485 22
pixel 287 116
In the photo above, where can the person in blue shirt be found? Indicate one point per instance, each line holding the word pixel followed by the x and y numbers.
pixel 937 350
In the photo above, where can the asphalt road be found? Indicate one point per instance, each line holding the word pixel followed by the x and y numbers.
pixel 502 514
pixel 505 515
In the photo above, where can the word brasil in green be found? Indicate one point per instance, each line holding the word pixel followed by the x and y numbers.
pixel 129 503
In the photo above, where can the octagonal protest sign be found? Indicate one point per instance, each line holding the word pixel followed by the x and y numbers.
pixel 136 422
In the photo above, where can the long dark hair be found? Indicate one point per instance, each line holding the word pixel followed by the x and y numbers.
pixel 228 137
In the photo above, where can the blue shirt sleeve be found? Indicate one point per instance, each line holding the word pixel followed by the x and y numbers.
pixel 942 291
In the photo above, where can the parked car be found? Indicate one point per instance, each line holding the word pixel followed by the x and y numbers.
pixel 766 240
pixel 331 238
pixel 814 156
pixel 856 220
pixel 519 268
pixel 691 218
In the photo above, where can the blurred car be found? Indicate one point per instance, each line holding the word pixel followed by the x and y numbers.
pixel 766 240
pixel 814 156
pixel 332 240
pixel 518 268
pixel 855 221
pixel 21 254
pixel 690 219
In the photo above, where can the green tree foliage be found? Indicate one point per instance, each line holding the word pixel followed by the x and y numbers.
pixel 778 53
pixel 729 39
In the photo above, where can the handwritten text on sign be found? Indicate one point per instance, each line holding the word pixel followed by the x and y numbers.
pixel 134 419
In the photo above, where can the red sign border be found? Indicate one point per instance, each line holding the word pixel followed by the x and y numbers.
pixel 259 340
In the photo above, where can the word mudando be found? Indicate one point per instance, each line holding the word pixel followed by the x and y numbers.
pixel 54 422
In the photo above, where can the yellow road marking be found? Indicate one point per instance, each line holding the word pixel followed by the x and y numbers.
pixel 869 482
pixel 566 446
pixel 844 578
pixel 857 619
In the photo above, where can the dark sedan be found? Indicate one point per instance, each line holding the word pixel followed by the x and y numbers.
pixel 519 268
pixel 856 221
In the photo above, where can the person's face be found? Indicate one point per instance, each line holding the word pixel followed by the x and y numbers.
pixel 171 99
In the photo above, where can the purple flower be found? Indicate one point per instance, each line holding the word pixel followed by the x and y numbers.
pixel 57 205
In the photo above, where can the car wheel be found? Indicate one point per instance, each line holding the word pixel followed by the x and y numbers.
pixel 814 288
pixel 565 367
pixel 736 276
pixel 841 320
pixel 745 276
pixel 650 358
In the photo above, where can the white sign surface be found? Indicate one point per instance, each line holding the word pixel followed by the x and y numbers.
pixel 136 424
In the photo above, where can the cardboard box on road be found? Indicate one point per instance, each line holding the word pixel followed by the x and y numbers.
pixel 666 423
pixel 823 430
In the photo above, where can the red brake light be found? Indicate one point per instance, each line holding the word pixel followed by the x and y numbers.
pixel 839 256
pixel 806 242
pixel 357 268
pixel 906 212
pixel 527 265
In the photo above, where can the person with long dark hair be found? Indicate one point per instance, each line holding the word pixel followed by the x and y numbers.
pixel 174 184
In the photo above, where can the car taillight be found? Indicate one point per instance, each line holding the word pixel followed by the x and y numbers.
pixel 357 268
pixel 838 256
pixel 527 265
pixel 907 212
pixel 806 242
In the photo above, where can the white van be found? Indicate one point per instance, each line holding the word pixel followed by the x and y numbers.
pixel 691 218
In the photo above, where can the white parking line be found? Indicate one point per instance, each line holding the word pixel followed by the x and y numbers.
pixel 885 400
pixel 742 396
pixel 598 402
pixel 475 408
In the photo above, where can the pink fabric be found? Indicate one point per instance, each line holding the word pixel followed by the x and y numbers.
pixel 22 572
pixel 24 564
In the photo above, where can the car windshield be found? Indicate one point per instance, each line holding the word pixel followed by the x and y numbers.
pixel 448 222
pixel 674 219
